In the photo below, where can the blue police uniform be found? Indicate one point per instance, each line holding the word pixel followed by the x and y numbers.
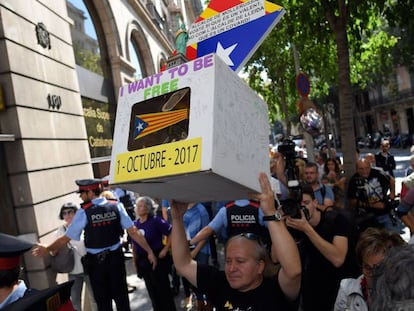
pixel 20 297
pixel 102 221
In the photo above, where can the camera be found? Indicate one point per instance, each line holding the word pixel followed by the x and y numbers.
pixel 361 189
pixel 291 206
pixel 287 149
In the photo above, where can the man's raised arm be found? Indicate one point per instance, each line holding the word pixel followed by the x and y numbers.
pixel 185 265
pixel 283 244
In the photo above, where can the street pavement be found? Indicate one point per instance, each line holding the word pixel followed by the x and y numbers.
pixel 139 299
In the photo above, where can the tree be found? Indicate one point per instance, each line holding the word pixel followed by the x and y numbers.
pixel 278 93
pixel 339 41
pixel 400 19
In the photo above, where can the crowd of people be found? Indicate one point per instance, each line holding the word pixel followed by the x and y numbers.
pixel 312 245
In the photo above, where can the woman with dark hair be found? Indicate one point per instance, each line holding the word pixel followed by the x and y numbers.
pixel 67 211
pixel 335 178
pixel 154 229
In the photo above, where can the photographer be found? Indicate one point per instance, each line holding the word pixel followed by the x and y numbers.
pixel 288 173
pixel 368 194
pixel 326 251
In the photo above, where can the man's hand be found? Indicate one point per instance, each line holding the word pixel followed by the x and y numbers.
pixel 185 266
pixel 178 209
pixel 284 249
pixel 266 197
pixel 39 250
pixel 300 224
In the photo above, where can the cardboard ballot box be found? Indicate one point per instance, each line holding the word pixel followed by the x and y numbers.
pixel 195 132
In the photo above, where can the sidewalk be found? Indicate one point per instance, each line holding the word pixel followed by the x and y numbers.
pixel 139 299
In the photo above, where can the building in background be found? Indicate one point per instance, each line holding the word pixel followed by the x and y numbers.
pixel 58 95
pixel 388 108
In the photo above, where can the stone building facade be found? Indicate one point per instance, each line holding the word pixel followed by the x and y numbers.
pixel 45 98
pixel 387 107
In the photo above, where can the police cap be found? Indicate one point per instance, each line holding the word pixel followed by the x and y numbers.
pixel 50 299
pixel 11 248
pixel 89 184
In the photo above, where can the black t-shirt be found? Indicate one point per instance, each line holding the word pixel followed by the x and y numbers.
pixel 320 278
pixel 376 188
pixel 268 296
pixel 386 162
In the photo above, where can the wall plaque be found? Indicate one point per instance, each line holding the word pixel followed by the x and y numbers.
pixel 43 36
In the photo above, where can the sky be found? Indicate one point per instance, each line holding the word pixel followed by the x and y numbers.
pixel 89 29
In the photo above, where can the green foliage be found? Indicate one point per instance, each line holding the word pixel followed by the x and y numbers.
pixel 305 24
pixel 341 44
pixel 88 60
pixel 400 18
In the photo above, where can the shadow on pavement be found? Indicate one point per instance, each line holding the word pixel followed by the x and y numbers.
pixel 139 299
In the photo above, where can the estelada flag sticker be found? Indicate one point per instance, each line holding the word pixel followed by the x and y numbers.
pixel 232 29
pixel 160 120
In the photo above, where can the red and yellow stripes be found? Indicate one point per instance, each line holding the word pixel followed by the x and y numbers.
pixel 160 120
pixel 216 7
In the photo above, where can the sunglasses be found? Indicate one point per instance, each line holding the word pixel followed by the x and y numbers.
pixel 69 212
pixel 252 237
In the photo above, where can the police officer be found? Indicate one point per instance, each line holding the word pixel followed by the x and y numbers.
pixel 102 222
pixel 14 294
pixel 55 298
pixel 236 217
pixel 11 249
pixel 243 216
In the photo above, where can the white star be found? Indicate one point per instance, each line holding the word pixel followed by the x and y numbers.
pixel 225 53
pixel 140 126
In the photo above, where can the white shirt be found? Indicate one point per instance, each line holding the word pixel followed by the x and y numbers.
pixel 78 251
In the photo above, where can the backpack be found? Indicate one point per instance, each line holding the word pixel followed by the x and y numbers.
pixel 127 200
pixel 64 261
pixel 404 190
pixel 323 192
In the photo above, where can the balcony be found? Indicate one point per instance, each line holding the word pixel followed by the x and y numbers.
pixel 400 96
